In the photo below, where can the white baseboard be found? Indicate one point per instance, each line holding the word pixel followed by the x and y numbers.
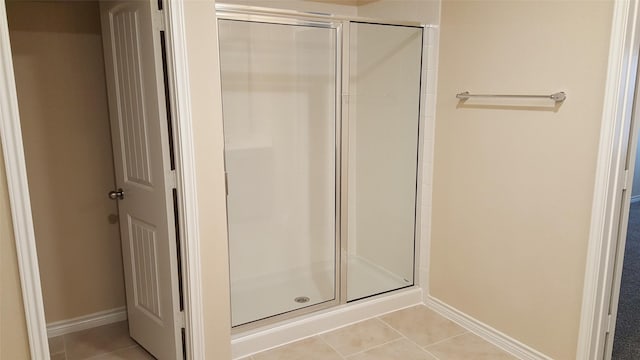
pixel 501 340
pixel 86 322
pixel 635 199
pixel 247 344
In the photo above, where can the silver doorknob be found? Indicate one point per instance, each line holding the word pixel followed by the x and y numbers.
pixel 116 194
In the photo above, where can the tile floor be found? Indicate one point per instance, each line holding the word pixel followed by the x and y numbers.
pixel 415 333
pixel 108 342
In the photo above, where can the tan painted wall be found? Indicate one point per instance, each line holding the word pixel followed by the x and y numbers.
pixel 206 98
pixel 513 186
pixel 57 51
pixel 14 343
pixel 329 7
pixel 422 11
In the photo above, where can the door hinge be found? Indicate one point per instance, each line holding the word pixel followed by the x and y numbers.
pixel 158 20
pixel 182 320
pixel 625 184
pixel 172 180
pixel 609 324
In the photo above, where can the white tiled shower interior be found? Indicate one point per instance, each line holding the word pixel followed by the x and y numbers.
pixel 259 296
pixel 431 57
pixel 278 92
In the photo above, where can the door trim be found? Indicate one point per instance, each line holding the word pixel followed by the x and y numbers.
pixel 13 154
pixel 16 172
pixel 186 177
pixel 609 181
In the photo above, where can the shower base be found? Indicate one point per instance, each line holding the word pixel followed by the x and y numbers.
pixel 259 298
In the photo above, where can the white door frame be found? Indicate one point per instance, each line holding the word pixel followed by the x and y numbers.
pixel 610 181
pixel 13 153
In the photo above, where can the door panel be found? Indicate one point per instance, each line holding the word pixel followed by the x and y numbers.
pixel 144 259
pixel 141 156
pixel 130 88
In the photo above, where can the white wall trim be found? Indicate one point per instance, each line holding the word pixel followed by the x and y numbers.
pixel 86 322
pixel 485 331
pixel 186 176
pixel 431 84
pixel 423 132
pixel 607 197
pixel 13 152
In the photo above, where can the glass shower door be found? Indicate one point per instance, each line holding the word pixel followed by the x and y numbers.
pixel 384 116
pixel 279 104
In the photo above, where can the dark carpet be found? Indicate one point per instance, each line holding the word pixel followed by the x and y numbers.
pixel 626 344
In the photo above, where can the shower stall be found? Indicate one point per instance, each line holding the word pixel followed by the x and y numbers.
pixel 322 142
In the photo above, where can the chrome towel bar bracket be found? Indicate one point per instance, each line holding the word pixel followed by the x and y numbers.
pixel 557 97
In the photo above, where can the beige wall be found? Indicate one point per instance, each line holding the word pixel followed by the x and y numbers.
pixel 204 77
pixel 329 7
pixel 57 52
pixel 513 185
pixel 14 343
pixel 422 11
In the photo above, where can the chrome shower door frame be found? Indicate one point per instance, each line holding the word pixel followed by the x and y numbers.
pixel 225 12
pixel 342 94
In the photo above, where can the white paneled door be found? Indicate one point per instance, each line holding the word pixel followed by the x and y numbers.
pixel 143 173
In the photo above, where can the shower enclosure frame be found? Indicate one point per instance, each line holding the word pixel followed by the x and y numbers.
pixel 341 24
